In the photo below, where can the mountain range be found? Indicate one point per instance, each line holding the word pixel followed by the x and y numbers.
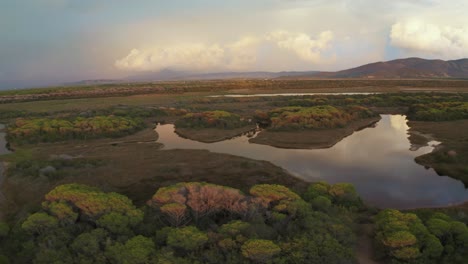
pixel 409 68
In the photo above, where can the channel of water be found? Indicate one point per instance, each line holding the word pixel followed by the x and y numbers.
pixel 378 160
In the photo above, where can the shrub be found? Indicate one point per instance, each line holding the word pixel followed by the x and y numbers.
pixel 278 197
pixel 316 117
pixel 4 229
pixel 321 203
pixel 187 238
pixel 343 194
pixel 211 119
pixel 49 130
pixel 441 111
pixel 260 250
pixel 233 228
pixel 136 250
pixel 404 237
pixel 39 223
pixel 201 198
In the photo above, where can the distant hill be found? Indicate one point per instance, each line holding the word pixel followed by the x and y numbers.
pixel 92 82
pixel 410 68
pixel 167 75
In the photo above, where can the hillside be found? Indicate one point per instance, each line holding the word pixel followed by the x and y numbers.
pixel 410 68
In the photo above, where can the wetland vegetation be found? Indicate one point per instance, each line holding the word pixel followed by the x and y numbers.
pixel 52 129
pixel 212 126
pixel 89 182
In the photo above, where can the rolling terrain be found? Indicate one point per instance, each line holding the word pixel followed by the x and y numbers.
pixel 410 68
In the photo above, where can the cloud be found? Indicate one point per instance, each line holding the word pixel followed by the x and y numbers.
pixel 242 53
pixel 302 44
pixel 416 35
pixel 189 56
pixel 238 55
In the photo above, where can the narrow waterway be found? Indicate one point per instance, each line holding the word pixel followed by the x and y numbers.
pixel 379 161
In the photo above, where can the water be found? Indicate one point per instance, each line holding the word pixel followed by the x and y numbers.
pixel 286 94
pixel 378 161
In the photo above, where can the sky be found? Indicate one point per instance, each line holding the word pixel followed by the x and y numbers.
pixel 44 42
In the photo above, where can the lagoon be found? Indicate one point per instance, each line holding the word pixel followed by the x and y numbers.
pixel 378 160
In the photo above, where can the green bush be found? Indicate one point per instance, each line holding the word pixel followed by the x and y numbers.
pixel 404 237
pixel 443 111
pixel 260 250
pixel 187 238
pixel 50 130
pixel 4 229
pixel 315 117
pixel 211 119
pixel 343 194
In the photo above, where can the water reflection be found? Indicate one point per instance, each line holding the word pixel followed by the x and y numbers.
pixel 378 161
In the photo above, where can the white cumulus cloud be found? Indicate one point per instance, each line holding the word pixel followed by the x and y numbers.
pixel 238 55
pixel 302 44
pixel 187 56
pixel 242 53
pixel 416 35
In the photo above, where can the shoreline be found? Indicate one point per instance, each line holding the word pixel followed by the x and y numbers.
pixel 447 158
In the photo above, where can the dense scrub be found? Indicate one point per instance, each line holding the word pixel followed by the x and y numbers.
pixel 368 100
pixel 50 169
pixel 188 223
pixel 324 116
pixel 135 112
pixel 211 119
pixel 439 111
pixel 407 238
pixel 49 130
